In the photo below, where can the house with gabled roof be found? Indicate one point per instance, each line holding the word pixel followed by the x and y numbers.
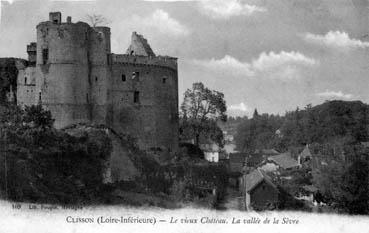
pixel 259 191
pixel 282 161
pixel 305 155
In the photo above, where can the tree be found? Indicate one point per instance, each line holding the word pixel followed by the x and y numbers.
pixel 97 20
pixel 36 115
pixel 345 185
pixel 200 111
pixel 256 114
pixel 41 164
pixel 258 132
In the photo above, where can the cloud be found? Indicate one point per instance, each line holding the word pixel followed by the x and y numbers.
pixel 283 65
pixel 336 39
pixel 162 22
pixel 228 64
pixel 228 8
pixel 240 109
pixel 335 95
pixel 267 61
pixel 221 8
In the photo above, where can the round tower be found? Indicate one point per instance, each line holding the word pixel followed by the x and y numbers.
pixel 100 63
pixel 63 68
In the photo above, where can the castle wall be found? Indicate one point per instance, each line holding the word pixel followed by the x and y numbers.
pixel 78 79
pixel 26 86
pixel 153 118
pixel 163 61
pixel 9 70
pixel 139 46
pixel 99 58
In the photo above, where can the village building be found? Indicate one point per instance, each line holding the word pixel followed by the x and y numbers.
pixel 254 160
pixel 229 148
pixel 282 161
pixel 259 191
pixel 308 193
pixel 266 152
pixel 305 156
pixel 211 152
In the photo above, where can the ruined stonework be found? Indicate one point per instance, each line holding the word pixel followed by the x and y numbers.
pixel 9 68
pixel 73 73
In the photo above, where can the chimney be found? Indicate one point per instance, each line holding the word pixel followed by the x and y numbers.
pixel 69 19
pixel 31 51
pixel 55 17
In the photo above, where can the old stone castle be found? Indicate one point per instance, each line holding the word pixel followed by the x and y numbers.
pixel 73 73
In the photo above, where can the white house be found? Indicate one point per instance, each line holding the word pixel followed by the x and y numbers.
pixel 211 152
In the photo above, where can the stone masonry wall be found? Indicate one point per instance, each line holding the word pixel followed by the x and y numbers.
pixel 79 80
pixel 153 118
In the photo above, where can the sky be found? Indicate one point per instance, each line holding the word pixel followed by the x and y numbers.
pixel 265 54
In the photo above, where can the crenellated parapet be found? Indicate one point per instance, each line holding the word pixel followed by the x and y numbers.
pixel 162 61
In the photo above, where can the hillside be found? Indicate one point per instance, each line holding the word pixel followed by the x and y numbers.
pixel 332 120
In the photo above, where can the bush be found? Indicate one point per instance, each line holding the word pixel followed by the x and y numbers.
pixel 49 165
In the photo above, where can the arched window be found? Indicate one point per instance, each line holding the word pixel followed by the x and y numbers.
pixel 124 78
pixel 25 80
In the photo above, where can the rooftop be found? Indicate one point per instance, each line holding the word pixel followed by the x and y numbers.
pixel 266 151
pixel 284 160
pixel 209 147
pixel 255 178
pixel 230 148
pixel 306 153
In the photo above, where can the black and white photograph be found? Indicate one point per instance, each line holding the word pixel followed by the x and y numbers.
pixel 184 116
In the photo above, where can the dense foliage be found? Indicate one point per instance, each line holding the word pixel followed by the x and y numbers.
pixel 186 179
pixel 41 164
pixel 8 78
pixel 322 123
pixel 200 111
pixel 258 132
pixel 343 183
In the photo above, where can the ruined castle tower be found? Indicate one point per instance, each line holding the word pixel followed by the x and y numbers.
pixel 73 73
pixel 145 95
